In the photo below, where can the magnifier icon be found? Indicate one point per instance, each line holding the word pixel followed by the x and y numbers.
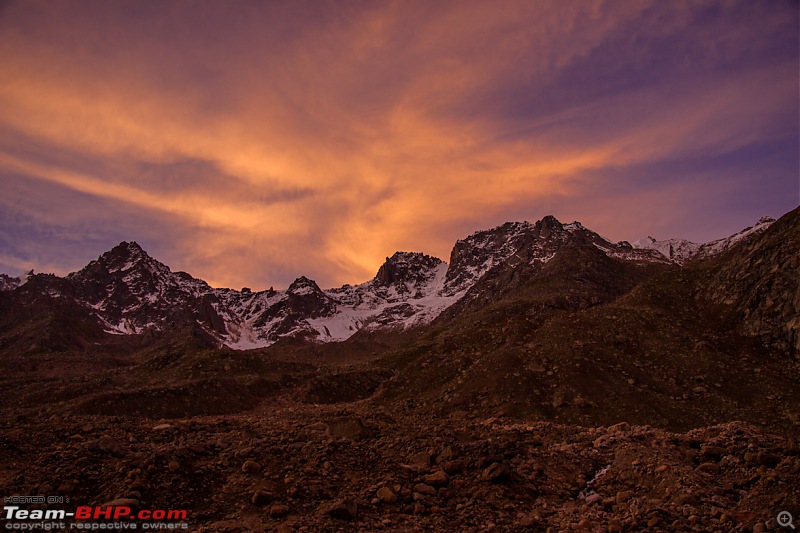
pixel 785 519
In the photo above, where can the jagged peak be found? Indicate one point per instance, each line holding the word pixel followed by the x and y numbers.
pixel 506 228
pixel 548 223
pixel 550 226
pixel 303 285
pixel 550 220
pixel 128 250
pixel 503 238
pixel 404 266
pixel 132 246
pixel 399 256
pixel 413 258
pixel 123 257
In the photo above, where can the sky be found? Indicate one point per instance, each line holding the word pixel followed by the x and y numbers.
pixel 252 142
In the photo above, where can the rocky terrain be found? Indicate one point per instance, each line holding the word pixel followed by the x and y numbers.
pixel 355 467
pixel 544 379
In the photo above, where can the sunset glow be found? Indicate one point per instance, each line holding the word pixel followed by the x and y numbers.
pixel 249 143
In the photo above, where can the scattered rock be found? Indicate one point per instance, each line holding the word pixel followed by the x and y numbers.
pixel 420 459
pixel 347 427
pixel 345 509
pixel 708 467
pixel 559 400
pixel 502 472
pixel 278 510
pixel 436 479
pixel 422 488
pixel 251 467
pixel 623 496
pixel 497 473
pixel 386 495
pixel 712 452
pixel 453 467
pixel 767 459
pixel 262 497
pixel 619 428
pixel 593 498
pixel 791 446
pixel 447 454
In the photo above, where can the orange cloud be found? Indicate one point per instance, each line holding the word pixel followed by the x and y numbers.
pixel 342 133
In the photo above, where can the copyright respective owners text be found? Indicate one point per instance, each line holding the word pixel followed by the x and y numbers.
pixel 55 513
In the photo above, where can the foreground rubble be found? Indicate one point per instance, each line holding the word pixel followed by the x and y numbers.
pixel 317 468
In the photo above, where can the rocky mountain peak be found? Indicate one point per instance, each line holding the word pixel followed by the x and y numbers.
pixel 513 243
pixel 307 300
pixel 548 225
pixel 303 286
pixel 405 267
pixel 477 254
pixel 132 247
pixel 127 259
pixel 125 252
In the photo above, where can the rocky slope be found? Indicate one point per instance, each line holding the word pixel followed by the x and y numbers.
pixel 761 283
pixel 589 339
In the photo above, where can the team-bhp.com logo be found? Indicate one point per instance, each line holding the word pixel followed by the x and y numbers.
pixel 117 517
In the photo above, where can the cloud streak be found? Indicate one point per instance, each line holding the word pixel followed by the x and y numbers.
pixel 251 142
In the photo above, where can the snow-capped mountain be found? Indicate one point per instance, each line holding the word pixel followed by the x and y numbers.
pixel 126 291
pixel 515 243
pixel 680 250
pixel 8 283
pixel 130 292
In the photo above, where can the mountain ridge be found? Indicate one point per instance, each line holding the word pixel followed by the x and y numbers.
pixel 681 250
pixel 127 292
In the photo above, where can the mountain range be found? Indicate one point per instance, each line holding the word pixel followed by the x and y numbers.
pixel 127 292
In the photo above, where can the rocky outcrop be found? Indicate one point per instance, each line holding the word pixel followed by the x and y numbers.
pixel 7 283
pixel 406 268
